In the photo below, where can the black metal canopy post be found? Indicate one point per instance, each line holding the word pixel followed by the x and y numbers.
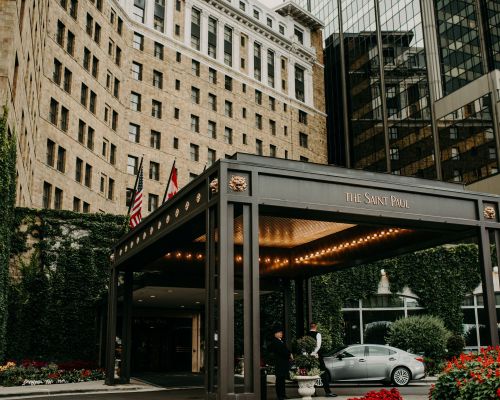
pixel 287 309
pixel 299 307
pixel 126 326
pixel 487 283
pixel 111 327
pixel 308 289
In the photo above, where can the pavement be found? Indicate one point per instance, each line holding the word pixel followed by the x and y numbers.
pixel 345 391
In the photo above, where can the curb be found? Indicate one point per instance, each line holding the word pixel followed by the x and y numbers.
pixel 49 392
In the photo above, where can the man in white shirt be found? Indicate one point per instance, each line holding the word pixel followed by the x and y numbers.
pixel 325 376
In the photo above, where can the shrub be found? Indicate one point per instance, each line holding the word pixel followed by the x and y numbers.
pixel 420 334
pixel 470 376
pixel 305 363
pixel 383 394
pixel 376 332
pixel 455 345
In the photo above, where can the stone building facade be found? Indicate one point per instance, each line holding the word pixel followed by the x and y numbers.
pixel 93 87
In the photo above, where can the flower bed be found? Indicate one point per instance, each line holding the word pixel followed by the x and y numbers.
pixel 30 373
pixel 383 394
pixel 470 376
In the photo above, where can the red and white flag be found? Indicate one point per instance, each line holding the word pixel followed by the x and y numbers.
pixel 172 186
pixel 136 209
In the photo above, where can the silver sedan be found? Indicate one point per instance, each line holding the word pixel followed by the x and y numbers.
pixel 372 362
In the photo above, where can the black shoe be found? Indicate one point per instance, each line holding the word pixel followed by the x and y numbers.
pixel 331 395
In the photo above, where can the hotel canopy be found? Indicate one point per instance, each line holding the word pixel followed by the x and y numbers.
pixel 249 220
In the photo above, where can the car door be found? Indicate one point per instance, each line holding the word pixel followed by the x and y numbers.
pixel 379 362
pixel 349 364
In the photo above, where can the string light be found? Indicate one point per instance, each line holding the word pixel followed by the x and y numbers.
pixel 352 243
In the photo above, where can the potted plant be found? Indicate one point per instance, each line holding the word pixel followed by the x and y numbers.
pixel 307 367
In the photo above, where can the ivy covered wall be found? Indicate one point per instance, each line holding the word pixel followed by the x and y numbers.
pixel 54 292
pixel 7 202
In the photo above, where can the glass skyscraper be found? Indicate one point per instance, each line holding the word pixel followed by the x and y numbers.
pixel 412 86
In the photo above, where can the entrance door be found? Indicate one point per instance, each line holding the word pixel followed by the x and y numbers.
pixel 162 344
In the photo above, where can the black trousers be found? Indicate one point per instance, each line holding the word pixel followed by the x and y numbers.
pixel 280 387
pixel 325 376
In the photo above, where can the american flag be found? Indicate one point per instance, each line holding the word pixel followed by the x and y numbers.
pixel 136 212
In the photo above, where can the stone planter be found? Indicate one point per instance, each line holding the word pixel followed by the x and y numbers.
pixel 306 386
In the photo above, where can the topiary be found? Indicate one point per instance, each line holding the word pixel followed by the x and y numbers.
pixel 420 334
pixel 305 363
pixel 455 345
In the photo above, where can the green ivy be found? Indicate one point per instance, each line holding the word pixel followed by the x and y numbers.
pixel 53 301
pixel 7 202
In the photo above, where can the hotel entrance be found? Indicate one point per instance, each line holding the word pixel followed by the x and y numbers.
pixel 250 225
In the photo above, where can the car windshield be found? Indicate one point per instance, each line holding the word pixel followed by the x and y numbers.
pixel 335 351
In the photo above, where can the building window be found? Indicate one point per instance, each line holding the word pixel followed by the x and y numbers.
pixel 299 83
pixel 455 154
pixel 61 29
pixel 56 75
pixel 258 97
pixel 257 73
pixel 212 102
pixel 111 189
pixel 212 76
pixel 453 132
pixel 228 46
pixel 157 79
pixel 135 101
pixel 393 132
pixel 176 113
pixel 258 146
pixel 132 165
pixel 243 113
pixel 256 14
pixel 134 133
pixel 394 153
pixel 90 138
pixel 302 117
pixel 282 29
pixel 152 202
pixel 118 56
pixel 156 107
pixel 269 22
pixel 159 23
pixel 47 195
pixel 154 171
pixel 492 153
pixel 97 34
pixel 79 170
pixel 195 152
pixel 298 35
pixel 228 83
pixel 244 139
pixel 81 131
pixel 228 135
pixel 195 123
pixel 457 175
pixel 228 109
pixel 212 130
pixel 105 144
pixel 70 45
pixel 114 121
pixel 177 84
pixel 272 150
pixel 242 6
pixel 211 157
pixel 272 127
pixel 175 143
pixel 244 87
pixel 177 5
pixel 112 154
pixel 88 175
pixel 50 152
pixel 178 57
pixel 137 71
pixel 138 12
pixel 89 26
pixel 303 140
pixel 177 30
pixel 195 67
pixel 119 26
pixel 68 77
pixel 54 111
pixel 93 102
pixel 84 92
pixel 61 159
pixel 158 51
pixel 77 203
pixel 195 95
pixel 138 41
pixel 155 141
pixel 272 103
pixel 102 185
pixel 195 28
pixel 270 68
pixel 64 119
pixel 258 121
pixel 304 159
pixel 86 207
pixel 212 37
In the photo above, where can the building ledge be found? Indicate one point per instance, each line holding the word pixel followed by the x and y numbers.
pixel 299 14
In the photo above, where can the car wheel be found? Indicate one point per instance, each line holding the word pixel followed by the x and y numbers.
pixel 401 376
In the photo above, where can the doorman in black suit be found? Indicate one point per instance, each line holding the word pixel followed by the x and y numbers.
pixel 281 362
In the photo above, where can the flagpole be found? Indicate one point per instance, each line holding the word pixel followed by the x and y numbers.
pixel 168 183
pixel 135 186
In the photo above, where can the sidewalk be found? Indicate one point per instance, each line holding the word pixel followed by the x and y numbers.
pixel 80 387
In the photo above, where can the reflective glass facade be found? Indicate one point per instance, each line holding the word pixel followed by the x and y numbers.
pixel 382 95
